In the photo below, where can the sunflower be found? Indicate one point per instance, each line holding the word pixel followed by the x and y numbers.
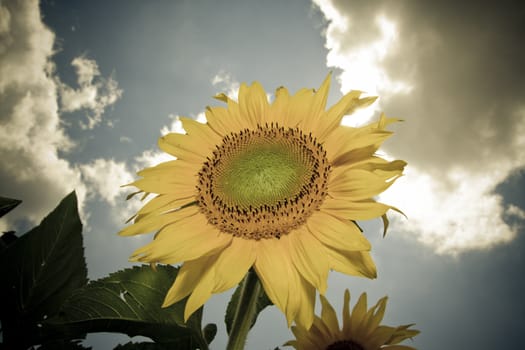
pixel 361 329
pixel 274 186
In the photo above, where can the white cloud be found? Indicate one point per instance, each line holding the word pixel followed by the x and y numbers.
pixel 516 212
pixel 174 126
pixel 109 184
pixel 104 178
pixel 226 83
pixel 454 214
pixel 31 135
pixel 151 158
pixel 361 67
pixel 93 95
pixel 33 139
pixel 460 139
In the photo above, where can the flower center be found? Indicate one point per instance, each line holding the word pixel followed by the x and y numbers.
pixel 264 182
pixel 345 345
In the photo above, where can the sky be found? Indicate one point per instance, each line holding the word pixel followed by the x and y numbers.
pixel 86 89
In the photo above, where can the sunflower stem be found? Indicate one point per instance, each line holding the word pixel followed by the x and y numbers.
pixel 245 312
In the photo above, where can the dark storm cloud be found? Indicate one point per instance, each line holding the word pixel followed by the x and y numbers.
pixel 464 111
pixel 464 61
pixel 463 136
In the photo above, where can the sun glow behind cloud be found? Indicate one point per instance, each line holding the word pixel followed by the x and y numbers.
pixel 454 209
pixel 361 67
pixel 462 215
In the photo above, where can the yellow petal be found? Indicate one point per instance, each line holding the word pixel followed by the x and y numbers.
pixel 359 210
pixel 346 139
pixel 354 156
pixel 295 297
pixel 379 165
pixel 358 184
pixel 279 108
pixel 165 166
pixel 201 131
pixel 189 239
pixel 179 174
pixel 401 333
pixel 329 317
pixel 335 233
pixel 163 203
pixel 269 267
pixel 376 315
pixel 233 263
pixel 347 105
pixel 308 258
pixel 299 107
pixel 182 188
pixel 173 168
pixel 296 344
pixel 357 263
pixel 312 118
pixel 358 313
pixel 382 123
pixel 321 96
pixel 386 223
pixel 201 293
pixel 349 143
pixel 253 103
pixel 280 279
pixel 222 97
pixel 184 147
pixel 235 115
pixel 321 331
pixel 335 114
pixel 243 93
pixel 306 292
pixel 308 339
pixel 380 336
pixel 346 313
pixel 335 144
pixel 187 278
pixel 156 222
pixel 222 121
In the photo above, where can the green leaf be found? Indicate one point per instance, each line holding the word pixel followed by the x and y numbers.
pixel 39 271
pixel 8 204
pixel 6 239
pixel 129 302
pixel 154 346
pixel 210 331
pixel 262 302
pixel 63 345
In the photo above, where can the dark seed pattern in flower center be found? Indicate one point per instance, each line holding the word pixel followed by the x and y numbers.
pixel 263 182
pixel 345 345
